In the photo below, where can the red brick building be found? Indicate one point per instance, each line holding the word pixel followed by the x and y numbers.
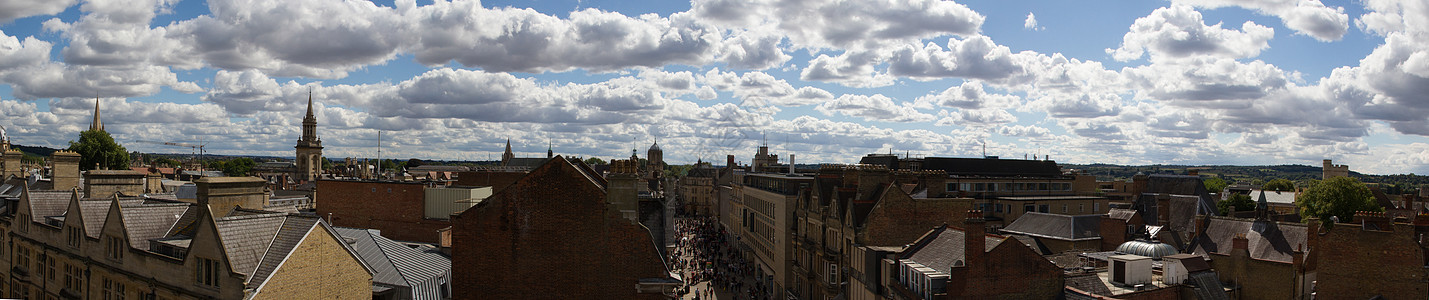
pixel 395 208
pixel 952 263
pixel 553 235
pixel 1373 257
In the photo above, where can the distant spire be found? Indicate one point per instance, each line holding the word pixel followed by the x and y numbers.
pixel 96 126
pixel 550 149
pixel 310 104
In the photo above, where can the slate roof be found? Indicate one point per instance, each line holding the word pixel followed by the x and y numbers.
pixel 1182 215
pixel 395 264
pixel 943 246
pixel 48 203
pixel 1055 226
pixel 288 235
pixel 1267 240
pixel 1182 185
pixel 246 238
pixel 993 167
pixel 94 212
pixel 151 221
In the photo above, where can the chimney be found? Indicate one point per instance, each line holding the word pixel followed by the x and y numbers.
pixel 222 194
pixel 1240 242
pixel 791 164
pixel 64 169
pixel 974 247
pixel 729 161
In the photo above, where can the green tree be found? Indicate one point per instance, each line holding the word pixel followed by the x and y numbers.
pixel 238 167
pixel 1340 197
pixel 1241 202
pixel 167 162
pixel 594 161
pixel 1215 184
pixel 413 163
pixel 97 149
pixel 1284 185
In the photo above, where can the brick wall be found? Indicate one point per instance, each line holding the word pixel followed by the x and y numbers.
pixel 1258 279
pixel 1013 271
pixel 496 180
pixel 395 208
pixel 1358 264
pixel 549 235
pixel 898 219
pixel 320 253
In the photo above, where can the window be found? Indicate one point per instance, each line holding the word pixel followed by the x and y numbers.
pixel 1081 208
pixel 50 269
pixel 1042 186
pixel 1042 208
pixel 1029 208
pixel 22 256
pixel 952 186
pixel 73 235
pixel 1096 207
pixel 113 247
pixel 206 272
pixel 1064 208
pixel 978 187
pixel 113 289
pixel 998 207
pixel 24 223
pixel 72 277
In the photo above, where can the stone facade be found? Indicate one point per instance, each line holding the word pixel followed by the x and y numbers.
pixel 321 252
pixel 105 183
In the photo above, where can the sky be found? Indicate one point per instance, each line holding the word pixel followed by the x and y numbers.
pixel 1240 82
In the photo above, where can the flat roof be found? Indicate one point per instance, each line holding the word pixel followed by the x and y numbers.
pixel 1128 257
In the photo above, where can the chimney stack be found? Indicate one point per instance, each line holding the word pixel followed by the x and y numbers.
pixel 791 164
pixel 974 248
pixel 1240 242
pixel 729 161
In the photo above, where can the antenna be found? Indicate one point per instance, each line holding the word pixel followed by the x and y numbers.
pixel 984 148
pixel 379 153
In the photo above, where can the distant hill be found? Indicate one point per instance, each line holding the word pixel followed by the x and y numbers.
pixel 1250 174
pixel 35 150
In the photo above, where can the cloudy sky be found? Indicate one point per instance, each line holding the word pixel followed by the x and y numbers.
pixel 1125 82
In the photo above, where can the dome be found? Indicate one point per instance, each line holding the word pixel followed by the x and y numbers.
pixel 1152 249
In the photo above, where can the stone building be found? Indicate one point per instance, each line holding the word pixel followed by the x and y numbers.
pixel 554 234
pixel 309 157
pixel 697 190
pixel 765 225
pixel 65 246
pixel 1331 170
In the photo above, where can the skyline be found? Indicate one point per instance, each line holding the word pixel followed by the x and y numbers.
pixel 1201 82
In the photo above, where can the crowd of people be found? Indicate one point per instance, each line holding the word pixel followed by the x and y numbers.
pixel 703 254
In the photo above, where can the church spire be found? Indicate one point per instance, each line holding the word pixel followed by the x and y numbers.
pixel 96 126
pixel 310 106
pixel 508 155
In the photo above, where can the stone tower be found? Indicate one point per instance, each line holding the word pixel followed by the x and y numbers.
pixel 655 160
pixel 310 148
pixel 96 125
pixel 1332 170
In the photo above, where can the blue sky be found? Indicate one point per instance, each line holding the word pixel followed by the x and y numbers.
pixel 1139 82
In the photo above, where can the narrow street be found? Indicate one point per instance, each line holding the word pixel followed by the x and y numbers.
pixel 709 267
